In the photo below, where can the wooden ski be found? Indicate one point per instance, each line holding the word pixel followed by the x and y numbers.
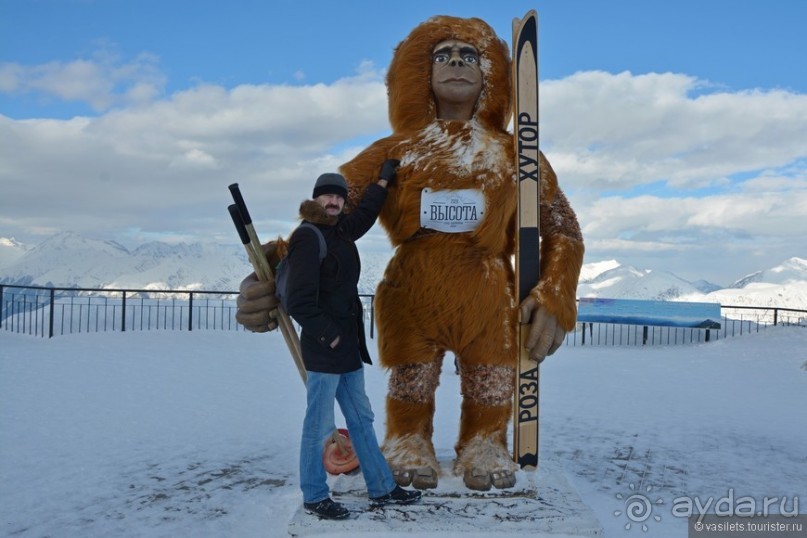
pixel 525 139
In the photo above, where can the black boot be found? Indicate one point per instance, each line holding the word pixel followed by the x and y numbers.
pixel 327 509
pixel 396 496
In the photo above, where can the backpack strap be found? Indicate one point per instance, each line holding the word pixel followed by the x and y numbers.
pixel 282 271
pixel 323 247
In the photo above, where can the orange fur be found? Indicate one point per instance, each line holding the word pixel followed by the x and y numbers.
pixel 483 420
pixel 410 418
pixel 455 292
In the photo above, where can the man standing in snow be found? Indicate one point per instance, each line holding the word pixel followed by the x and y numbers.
pixel 323 298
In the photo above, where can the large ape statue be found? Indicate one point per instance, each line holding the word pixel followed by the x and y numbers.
pixel 451 219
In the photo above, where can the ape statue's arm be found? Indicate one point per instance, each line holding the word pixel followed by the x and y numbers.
pixel 551 307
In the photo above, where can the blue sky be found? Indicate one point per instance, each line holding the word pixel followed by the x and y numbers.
pixel 739 44
pixel 679 129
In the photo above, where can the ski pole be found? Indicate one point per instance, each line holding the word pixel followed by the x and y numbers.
pixel 246 231
pixel 260 268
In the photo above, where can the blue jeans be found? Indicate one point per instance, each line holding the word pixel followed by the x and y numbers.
pixel 348 390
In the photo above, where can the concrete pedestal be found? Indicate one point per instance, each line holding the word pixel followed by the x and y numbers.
pixel 543 503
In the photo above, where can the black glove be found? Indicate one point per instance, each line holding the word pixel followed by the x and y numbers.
pixel 388 171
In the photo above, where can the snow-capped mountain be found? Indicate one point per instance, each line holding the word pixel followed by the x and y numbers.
pixel 790 295
pixel 70 260
pixel 11 250
pixel 705 286
pixel 614 280
pixel 784 285
pixel 792 270
pixel 373 265
pixel 592 270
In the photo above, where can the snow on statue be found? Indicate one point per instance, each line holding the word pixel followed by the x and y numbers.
pixel 450 283
pixel 451 218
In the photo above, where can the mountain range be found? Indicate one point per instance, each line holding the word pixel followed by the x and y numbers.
pixel 783 285
pixel 71 260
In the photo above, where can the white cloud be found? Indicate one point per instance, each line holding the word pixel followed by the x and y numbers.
pixel 165 166
pixel 792 177
pixel 617 131
pixel 769 213
pixel 733 166
pixel 102 82
pixel 195 158
pixel 724 175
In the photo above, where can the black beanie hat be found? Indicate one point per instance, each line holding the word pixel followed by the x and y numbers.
pixel 330 183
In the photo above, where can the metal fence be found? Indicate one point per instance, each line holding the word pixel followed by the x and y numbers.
pixel 51 311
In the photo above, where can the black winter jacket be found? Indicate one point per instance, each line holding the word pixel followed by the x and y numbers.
pixel 324 298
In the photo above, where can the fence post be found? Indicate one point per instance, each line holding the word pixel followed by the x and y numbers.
pixel 52 308
pixel 123 313
pixel 372 316
pixel 775 316
pixel 190 311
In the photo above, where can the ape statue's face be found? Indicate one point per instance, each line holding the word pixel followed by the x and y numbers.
pixel 456 79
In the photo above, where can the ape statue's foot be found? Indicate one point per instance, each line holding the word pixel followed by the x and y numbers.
pixel 484 463
pixel 480 480
pixel 422 478
pixel 412 461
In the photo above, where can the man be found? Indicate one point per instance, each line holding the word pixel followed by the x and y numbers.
pixel 323 298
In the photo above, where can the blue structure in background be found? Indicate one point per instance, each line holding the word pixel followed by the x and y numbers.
pixel 659 313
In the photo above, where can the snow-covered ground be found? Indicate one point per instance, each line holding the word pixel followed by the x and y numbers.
pixel 195 434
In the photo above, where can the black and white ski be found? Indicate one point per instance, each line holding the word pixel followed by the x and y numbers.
pixel 525 138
